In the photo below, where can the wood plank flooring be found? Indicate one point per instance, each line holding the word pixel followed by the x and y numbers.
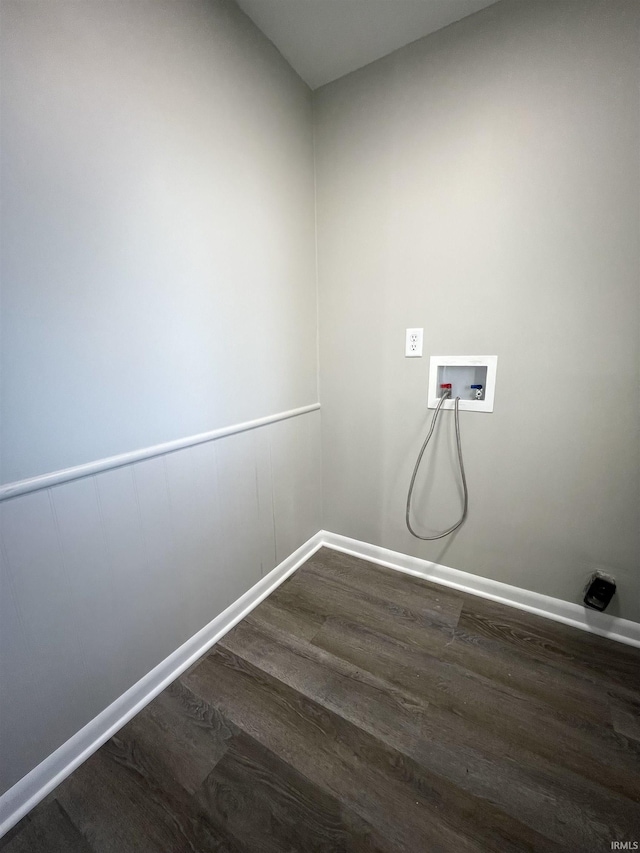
pixel 360 709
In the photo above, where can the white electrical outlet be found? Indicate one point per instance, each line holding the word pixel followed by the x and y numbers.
pixel 413 343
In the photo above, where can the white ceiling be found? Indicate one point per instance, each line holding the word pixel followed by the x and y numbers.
pixel 324 39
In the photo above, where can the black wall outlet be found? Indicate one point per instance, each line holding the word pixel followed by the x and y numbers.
pixel 599 591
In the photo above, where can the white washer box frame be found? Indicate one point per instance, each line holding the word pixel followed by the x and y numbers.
pixel 488 361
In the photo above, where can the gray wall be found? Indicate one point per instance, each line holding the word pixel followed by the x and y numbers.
pixel 484 183
pixel 158 259
pixel 158 281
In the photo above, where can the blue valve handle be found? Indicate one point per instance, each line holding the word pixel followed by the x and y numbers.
pixel 479 387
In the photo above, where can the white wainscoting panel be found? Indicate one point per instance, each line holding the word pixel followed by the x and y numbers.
pixel 49 773
pixel 296 489
pixel 47 639
pixel 105 576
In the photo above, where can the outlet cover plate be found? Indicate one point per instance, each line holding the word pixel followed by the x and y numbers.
pixel 413 343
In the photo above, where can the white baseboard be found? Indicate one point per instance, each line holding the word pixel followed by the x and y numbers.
pixel 612 627
pixel 34 787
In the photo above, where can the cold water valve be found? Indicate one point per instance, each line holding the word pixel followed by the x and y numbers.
pixel 477 389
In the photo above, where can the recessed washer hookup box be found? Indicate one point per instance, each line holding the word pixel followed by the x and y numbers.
pixel 472 378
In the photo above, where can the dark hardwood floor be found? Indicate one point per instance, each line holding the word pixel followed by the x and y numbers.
pixel 360 709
